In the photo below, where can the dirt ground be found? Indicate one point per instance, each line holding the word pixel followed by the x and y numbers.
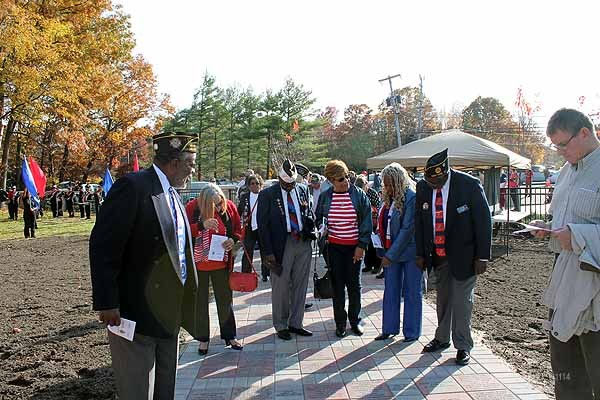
pixel 52 348
pixel 509 313
pixel 61 352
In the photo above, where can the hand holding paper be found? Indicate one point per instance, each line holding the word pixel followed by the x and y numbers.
pixel 538 228
pixel 125 330
pixel 216 251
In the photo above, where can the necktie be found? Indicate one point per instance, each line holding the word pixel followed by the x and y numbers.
pixel 294 227
pixel 180 233
pixel 440 230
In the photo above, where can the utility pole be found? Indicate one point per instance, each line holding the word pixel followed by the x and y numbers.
pixel 394 106
pixel 420 109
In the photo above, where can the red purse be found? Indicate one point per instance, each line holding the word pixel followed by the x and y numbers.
pixel 243 281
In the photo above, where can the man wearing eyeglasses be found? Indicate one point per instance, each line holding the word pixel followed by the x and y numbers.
pixel 285 230
pixel 573 294
pixel 453 229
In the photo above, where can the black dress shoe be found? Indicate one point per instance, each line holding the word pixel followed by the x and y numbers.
pixel 358 329
pixel 462 357
pixel 264 279
pixel 300 331
pixel 375 271
pixel 308 305
pixel 383 336
pixel 340 332
pixel 233 346
pixel 435 345
pixel 381 275
pixel 284 334
pixel 202 351
pixel 367 269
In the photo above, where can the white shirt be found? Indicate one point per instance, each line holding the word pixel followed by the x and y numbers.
pixel 315 194
pixel 253 208
pixel 296 205
pixel 445 192
pixel 164 182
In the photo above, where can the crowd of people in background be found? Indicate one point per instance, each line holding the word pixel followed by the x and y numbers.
pixel 81 197
pixel 393 226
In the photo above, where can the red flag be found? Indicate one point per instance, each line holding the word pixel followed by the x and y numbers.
pixel 136 165
pixel 295 126
pixel 39 178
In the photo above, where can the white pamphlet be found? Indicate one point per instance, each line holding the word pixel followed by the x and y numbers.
pixel 376 241
pixel 531 228
pixel 125 330
pixel 216 252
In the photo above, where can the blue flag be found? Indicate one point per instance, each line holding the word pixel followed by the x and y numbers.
pixel 30 183
pixel 107 182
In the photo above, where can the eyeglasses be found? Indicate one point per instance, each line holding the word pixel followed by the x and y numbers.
pixel 254 183
pixel 343 178
pixel 563 146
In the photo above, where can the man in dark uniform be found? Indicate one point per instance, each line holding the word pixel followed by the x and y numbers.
pixel 88 196
pixel 69 201
pixel 14 202
pixel 453 230
pixel 285 229
pixel 81 200
pixel 54 195
pixel 11 208
pixel 142 269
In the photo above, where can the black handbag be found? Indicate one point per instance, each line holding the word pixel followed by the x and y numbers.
pixel 323 288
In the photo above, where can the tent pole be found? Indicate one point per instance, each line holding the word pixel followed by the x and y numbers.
pixel 506 202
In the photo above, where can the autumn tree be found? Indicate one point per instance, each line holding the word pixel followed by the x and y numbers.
pixel 66 71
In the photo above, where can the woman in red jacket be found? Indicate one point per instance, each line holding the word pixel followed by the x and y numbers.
pixel 213 217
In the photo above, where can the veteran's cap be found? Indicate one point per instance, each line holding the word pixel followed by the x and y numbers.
pixel 288 172
pixel 437 165
pixel 302 170
pixel 174 142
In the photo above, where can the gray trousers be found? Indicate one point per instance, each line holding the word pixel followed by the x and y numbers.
pixel 454 305
pixel 146 368
pixel 576 367
pixel 288 293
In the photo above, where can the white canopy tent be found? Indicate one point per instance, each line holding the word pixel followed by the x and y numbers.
pixel 464 150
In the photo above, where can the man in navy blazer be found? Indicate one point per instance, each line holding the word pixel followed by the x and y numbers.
pixel 142 269
pixel 286 229
pixel 453 229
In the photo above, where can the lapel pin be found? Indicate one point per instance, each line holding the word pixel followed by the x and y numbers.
pixel 425 206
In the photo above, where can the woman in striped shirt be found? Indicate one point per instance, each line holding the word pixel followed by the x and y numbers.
pixel 347 212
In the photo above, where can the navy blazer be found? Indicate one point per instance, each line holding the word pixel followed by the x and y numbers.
pixel 272 225
pixel 468 225
pixel 402 230
pixel 134 259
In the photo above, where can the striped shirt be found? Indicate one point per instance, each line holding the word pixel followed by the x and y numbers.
pixel 342 222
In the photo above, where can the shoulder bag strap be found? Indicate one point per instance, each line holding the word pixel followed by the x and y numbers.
pixel 247 257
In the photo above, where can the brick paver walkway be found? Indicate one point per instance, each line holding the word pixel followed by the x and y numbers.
pixel 326 367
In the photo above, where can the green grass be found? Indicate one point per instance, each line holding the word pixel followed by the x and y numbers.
pixel 47 226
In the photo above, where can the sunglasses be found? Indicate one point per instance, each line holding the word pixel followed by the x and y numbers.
pixel 343 178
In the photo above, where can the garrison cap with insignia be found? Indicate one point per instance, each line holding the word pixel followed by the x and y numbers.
pixel 288 172
pixel 302 170
pixel 174 143
pixel 437 165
